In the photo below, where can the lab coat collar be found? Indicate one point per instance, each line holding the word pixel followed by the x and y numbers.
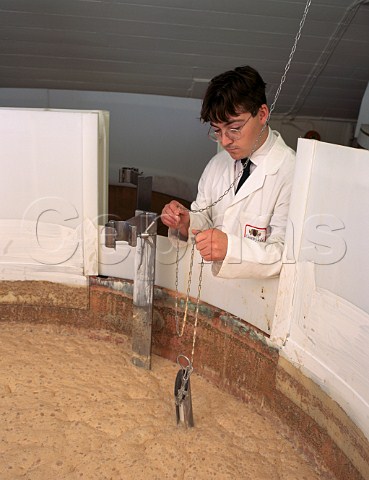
pixel 269 165
pixel 263 150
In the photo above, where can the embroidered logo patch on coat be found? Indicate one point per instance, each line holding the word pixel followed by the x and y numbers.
pixel 255 233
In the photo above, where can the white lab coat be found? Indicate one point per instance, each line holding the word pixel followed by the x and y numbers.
pixel 254 219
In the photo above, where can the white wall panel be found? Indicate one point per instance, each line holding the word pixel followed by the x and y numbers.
pixel 49 184
pixel 322 313
pixel 252 300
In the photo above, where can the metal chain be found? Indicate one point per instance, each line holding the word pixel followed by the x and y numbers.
pixel 197 310
pixel 238 176
pixel 288 64
pixel 184 321
pixel 176 286
pixel 180 333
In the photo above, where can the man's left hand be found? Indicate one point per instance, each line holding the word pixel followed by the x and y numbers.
pixel 212 244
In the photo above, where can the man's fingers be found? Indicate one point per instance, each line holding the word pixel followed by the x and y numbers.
pixel 211 244
pixel 168 217
pixel 173 214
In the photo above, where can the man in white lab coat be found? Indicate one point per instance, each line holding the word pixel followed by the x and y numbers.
pixel 239 227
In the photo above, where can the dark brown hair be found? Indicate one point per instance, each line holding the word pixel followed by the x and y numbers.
pixel 232 93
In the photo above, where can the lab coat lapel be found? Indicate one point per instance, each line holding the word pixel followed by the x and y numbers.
pixel 257 178
pixel 226 176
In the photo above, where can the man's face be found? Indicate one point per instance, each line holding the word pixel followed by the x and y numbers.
pixel 241 135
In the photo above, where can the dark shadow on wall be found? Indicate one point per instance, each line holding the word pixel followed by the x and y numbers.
pixel 123 199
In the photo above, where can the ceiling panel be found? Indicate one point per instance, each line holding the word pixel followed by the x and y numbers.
pixel 173 47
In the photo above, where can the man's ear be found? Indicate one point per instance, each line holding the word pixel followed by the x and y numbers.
pixel 263 113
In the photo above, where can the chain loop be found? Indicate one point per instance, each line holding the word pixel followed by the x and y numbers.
pixel 180 331
pixel 184 388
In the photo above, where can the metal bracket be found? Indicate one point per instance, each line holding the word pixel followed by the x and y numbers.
pixel 142 224
pixel 122 230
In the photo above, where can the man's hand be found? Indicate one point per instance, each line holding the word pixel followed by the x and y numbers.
pixel 175 215
pixel 212 244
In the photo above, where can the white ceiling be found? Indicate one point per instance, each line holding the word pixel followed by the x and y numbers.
pixel 173 47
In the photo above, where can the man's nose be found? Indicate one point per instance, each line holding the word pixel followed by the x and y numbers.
pixel 225 140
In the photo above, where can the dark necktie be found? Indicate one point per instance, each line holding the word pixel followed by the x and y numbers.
pixel 245 173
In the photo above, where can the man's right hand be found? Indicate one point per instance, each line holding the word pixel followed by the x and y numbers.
pixel 176 216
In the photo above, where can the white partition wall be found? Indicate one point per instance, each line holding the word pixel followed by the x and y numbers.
pixel 51 165
pixel 252 300
pixel 322 313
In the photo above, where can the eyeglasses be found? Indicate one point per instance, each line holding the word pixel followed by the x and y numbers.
pixel 231 133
